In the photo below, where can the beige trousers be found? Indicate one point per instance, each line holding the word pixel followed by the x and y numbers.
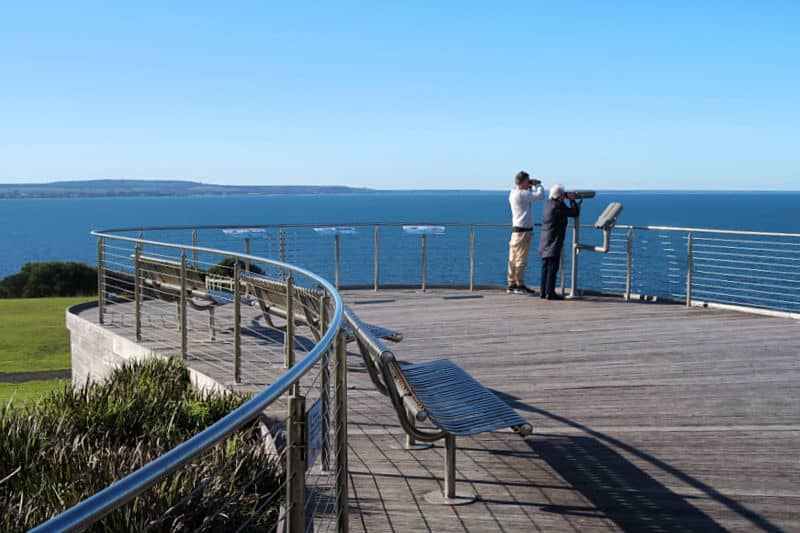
pixel 518 248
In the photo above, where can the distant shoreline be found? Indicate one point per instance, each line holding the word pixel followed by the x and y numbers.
pixel 176 188
pixel 99 196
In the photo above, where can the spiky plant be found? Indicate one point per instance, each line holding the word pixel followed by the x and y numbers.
pixel 77 441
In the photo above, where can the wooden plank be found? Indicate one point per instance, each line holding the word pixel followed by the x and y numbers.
pixel 687 418
pixel 645 416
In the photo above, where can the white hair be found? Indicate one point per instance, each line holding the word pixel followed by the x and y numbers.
pixel 556 191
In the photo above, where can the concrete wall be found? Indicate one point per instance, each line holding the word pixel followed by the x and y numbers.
pixel 96 351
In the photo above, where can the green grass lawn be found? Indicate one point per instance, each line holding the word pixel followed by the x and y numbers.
pixel 29 391
pixel 33 334
pixel 33 337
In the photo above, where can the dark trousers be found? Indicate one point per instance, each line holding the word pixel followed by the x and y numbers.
pixel 549 272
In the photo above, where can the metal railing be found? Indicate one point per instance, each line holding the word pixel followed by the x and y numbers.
pixel 302 412
pixel 752 271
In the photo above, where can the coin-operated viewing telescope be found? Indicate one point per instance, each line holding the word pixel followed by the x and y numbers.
pixel 606 222
pixel 580 195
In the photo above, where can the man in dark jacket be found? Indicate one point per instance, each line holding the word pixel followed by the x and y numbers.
pixel 554 228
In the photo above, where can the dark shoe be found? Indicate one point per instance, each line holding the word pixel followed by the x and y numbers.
pixel 522 289
pixel 554 297
pixel 511 288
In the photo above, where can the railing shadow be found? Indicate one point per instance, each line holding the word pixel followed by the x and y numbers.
pixel 630 497
pixel 618 489
pixel 269 335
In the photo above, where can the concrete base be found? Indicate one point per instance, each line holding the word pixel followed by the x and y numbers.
pixel 416 446
pixel 97 350
pixel 438 498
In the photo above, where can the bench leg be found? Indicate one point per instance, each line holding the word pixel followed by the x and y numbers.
pixel 411 444
pixel 448 496
pixel 450 466
pixel 211 324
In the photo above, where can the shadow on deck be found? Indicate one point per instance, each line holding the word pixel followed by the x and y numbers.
pixel 646 417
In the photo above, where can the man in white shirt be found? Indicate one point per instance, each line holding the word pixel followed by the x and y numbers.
pixel 521 199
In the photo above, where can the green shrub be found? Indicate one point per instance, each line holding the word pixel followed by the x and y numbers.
pixel 75 442
pixel 225 268
pixel 36 280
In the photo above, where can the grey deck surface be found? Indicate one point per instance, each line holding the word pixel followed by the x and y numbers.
pixel 646 417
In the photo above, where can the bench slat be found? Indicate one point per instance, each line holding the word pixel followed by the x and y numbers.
pixel 455 401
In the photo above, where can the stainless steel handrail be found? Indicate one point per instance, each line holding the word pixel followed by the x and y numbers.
pixel 716 231
pixel 124 490
pixel 657 249
pixel 456 224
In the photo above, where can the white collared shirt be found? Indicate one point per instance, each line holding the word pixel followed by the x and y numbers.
pixel 521 201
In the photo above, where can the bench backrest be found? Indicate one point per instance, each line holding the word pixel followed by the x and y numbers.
pixel 167 272
pixel 382 366
pixel 271 297
pixel 269 291
pixel 309 302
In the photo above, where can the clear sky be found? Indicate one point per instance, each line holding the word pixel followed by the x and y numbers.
pixel 601 94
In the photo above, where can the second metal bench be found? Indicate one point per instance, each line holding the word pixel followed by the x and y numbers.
pixel 439 391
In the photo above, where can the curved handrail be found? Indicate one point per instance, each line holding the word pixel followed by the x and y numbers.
pixel 746 301
pixel 117 494
pixel 105 232
pixel 710 230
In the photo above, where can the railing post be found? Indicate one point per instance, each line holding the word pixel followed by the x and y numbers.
pixel 325 383
pixel 573 278
pixel 336 260
pixel 689 271
pixel 237 322
pixel 195 242
pixel 247 252
pixel 101 280
pixel 342 510
pixel 282 250
pixel 424 261
pixel 296 465
pixel 377 257
pixel 182 304
pixel 472 258
pixel 563 271
pixel 629 266
pixel 137 291
pixel 288 337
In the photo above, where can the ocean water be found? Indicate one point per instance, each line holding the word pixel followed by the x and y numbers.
pixel 58 229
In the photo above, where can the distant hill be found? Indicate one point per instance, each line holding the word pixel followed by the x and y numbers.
pixel 109 187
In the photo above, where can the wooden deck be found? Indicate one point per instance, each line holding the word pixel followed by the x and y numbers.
pixel 647 417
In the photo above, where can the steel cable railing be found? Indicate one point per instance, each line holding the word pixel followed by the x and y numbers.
pixel 145 288
pixel 752 271
pixel 644 262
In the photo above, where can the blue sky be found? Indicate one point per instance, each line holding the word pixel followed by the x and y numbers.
pixel 607 95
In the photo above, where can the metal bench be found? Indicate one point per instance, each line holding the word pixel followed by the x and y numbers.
pixel 271 297
pixel 310 300
pixel 271 294
pixel 439 391
pixel 162 280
